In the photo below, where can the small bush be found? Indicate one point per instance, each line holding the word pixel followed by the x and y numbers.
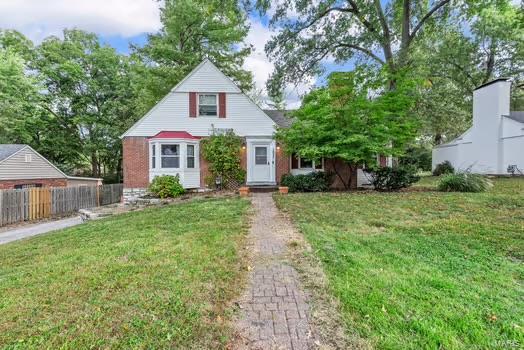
pixel 166 186
pixel 395 178
pixel 313 182
pixel 443 168
pixel 464 182
pixel 418 156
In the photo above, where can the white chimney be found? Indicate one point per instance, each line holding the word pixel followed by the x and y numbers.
pixel 490 102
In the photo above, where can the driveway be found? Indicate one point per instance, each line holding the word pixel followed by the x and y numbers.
pixel 37 229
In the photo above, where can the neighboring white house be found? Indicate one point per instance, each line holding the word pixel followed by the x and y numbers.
pixel 496 139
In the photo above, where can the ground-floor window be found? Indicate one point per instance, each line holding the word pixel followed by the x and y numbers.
pixel 32 185
pixel 300 163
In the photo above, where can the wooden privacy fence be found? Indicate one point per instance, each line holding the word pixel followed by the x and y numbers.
pixel 38 203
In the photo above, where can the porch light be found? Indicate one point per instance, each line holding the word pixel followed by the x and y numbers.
pixel 244 146
pixel 278 147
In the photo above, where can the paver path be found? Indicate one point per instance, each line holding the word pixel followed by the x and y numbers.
pixel 37 229
pixel 274 308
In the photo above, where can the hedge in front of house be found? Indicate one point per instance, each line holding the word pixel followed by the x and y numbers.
pixel 313 182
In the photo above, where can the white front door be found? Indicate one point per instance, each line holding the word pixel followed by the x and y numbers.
pixel 261 161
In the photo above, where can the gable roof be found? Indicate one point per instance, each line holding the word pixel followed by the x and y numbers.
pixel 517 116
pixel 7 150
pixel 184 86
pixel 281 118
pixel 205 64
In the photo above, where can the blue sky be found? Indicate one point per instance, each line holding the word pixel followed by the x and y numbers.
pixel 121 22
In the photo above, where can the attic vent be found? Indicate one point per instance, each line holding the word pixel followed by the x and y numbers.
pixel 28 158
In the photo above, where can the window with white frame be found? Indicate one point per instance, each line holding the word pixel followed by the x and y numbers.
pixel 28 158
pixel 300 163
pixel 190 157
pixel 153 156
pixel 207 105
pixel 170 156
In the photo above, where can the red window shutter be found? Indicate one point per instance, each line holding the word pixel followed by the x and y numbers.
pixel 192 105
pixel 222 105
pixel 383 161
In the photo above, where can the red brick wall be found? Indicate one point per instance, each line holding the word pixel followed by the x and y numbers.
pixel 282 166
pixel 136 162
pixel 10 184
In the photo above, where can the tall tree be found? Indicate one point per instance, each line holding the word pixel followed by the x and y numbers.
pixel 342 122
pixel 377 32
pixel 194 30
pixel 89 95
pixel 455 63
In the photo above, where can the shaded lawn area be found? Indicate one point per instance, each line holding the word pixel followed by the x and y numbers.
pixel 422 270
pixel 155 279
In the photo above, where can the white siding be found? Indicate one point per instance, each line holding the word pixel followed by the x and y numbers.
pixel 206 78
pixel 494 142
pixel 172 114
pixel 16 167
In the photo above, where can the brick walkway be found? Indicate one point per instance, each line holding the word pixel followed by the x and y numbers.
pixel 274 307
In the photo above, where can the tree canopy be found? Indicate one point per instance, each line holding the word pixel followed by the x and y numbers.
pixel 353 119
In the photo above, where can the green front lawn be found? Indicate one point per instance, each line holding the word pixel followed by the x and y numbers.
pixel 422 270
pixel 156 279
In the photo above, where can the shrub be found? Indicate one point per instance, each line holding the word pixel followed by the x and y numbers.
pixel 166 186
pixel 443 168
pixel 464 182
pixel 222 152
pixel 418 156
pixel 395 178
pixel 312 182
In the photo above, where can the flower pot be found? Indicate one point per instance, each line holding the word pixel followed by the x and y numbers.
pixel 244 191
pixel 283 189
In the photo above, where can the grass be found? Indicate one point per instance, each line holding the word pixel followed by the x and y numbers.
pixel 422 270
pixel 156 279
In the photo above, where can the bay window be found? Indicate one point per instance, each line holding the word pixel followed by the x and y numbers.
pixel 190 154
pixel 170 156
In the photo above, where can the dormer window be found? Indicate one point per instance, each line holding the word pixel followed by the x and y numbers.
pixel 207 105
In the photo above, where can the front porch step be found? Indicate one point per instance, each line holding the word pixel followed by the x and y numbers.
pixel 262 188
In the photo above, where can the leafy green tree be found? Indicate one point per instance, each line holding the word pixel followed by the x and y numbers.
pixel 341 121
pixel 89 95
pixel 18 98
pixel 376 32
pixel 455 62
pixel 194 30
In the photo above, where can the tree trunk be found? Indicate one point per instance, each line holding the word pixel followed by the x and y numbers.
pixel 94 165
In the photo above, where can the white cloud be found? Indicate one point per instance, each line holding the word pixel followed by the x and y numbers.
pixel 259 64
pixel 40 18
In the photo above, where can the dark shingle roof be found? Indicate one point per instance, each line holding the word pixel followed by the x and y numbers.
pixel 517 116
pixel 281 118
pixel 8 150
